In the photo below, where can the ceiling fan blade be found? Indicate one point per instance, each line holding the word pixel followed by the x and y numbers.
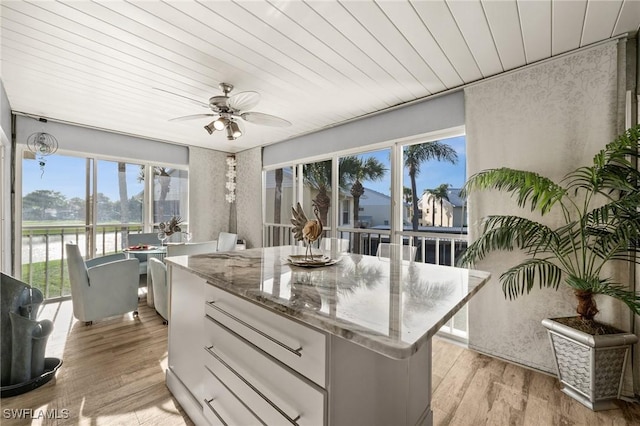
pixel 265 119
pixel 192 117
pixel 200 103
pixel 244 100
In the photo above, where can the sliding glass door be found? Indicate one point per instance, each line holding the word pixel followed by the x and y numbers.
pixel 92 202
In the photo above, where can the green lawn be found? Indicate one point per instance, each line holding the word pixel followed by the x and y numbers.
pixel 36 272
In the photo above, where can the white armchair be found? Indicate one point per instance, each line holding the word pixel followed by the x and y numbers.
pixel 192 248
pixel 102 287
pixel 159 282
pixel 227 241
pixel 151 239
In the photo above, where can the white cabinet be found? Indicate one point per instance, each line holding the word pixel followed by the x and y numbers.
pixel 186 310
pixel 233 361
pixel 272 364
pixel 298 346
pixel 241 363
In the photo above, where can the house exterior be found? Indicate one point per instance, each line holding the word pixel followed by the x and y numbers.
pixel 448 213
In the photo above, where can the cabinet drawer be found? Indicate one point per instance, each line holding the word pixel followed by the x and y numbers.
pixel 297 346
pixel 276 395
pixel 221 407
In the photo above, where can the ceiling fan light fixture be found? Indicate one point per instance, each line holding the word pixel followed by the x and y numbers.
pixel 230 134
pixel 210 127
pixel 235 129
pixel 220 123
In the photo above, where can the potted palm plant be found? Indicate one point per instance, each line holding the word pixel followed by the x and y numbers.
pixel 599 206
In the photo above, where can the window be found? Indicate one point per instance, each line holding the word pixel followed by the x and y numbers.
pixel 120 195
pixel 54 210
pixel 317 190
pixel 415 201
pixel 365 182
pixel 93 203
pixel 279 198
pixel 433 174
pixel 170 194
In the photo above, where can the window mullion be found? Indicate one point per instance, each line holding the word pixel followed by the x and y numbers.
pixel 148 211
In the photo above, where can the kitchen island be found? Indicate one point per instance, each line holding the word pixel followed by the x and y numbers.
pixel 255 340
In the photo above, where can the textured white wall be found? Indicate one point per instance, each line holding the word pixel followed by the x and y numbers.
pixel 208 210
pixel 550 119
pixel 248 204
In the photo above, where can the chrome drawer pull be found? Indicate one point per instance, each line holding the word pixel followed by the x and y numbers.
pixel 249 326
pixel 293 421
pixel 208 402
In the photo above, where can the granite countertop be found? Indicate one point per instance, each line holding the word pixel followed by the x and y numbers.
pixel 389 306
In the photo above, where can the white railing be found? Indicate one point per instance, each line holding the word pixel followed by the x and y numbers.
pixel 43 252
pixel 277 234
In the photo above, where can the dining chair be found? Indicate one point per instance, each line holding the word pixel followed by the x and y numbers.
pixel 386 250
pixel 102 287
pixel 227 241
pixel 160 292
pixel 150 238
pixel 192 248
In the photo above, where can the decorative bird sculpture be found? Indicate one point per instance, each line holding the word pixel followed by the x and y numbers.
pixel 304 229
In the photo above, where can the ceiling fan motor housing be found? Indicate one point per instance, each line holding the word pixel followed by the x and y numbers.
pixel 219 103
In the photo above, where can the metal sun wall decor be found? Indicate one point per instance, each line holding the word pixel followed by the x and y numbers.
pixel 231 179
pixel 42 145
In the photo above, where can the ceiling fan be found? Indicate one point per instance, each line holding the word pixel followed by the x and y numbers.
pixel 230 111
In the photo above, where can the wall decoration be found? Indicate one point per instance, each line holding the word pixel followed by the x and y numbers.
pixel 231 179
pixel 42 145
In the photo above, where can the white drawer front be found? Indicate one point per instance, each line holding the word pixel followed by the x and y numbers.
pixel 297 346
pixel 220 407
pixel 276 395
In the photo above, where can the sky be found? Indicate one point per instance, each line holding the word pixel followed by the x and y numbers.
pixel 65 174
pixel 433 173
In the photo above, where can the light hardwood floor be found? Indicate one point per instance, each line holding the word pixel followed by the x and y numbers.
pixel 113 374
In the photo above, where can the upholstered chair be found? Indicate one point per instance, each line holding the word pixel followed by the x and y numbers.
pixel 159 282
pixel 227 241
pixel 151 239
pixel 102 287
pixel 192 248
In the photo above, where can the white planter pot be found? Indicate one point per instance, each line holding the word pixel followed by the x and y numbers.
pixel 590 368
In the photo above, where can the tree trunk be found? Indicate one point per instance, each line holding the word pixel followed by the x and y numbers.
pixel 323 202
pixel 277 207
pixel 356 191
pixel 165 186
pixel 587 308
pixel 414 191
pixel 441 212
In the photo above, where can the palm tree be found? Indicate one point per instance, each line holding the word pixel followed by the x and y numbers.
pixel 356 170
pixel 318 176
pixel 414 156
pixel 601 223
pixel 407 196
pixel 439 194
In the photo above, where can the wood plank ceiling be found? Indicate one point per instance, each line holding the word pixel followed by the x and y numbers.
pixel 314 63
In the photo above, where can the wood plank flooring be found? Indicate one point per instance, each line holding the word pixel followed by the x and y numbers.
pixel 113 374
